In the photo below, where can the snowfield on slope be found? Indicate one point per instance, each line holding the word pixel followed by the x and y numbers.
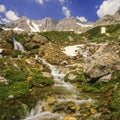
pixel 72 50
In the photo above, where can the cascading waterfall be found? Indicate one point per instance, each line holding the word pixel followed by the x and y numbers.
pixel 18 45
pixel 58 76
pixel 39 114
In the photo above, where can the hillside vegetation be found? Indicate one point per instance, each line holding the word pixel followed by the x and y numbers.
pixel 24 80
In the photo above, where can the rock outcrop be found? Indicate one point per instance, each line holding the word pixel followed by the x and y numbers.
pixel 103 62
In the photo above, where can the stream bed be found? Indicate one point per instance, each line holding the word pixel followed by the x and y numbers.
pixel 64 101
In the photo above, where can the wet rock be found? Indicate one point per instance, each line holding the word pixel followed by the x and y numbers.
pixel 93 111
pixel 64 62
pixel 71 107
pixel 30 61
pixel 68 117
pixel 51 99
pixel 48 107
pixel 71 76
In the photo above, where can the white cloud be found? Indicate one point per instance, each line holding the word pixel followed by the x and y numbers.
pixel 66 12
pixel 2 8
pixel 40 1
pixel 5 20
pixel 61 1
pixel 11 15
pixel 108 7
pixel 82 19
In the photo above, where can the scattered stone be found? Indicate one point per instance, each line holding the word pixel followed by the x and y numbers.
pixel 11 96
pixel 71 76
pixel 1 50
pixel 48 107
pixel 51 99
pixel 68 117
pixel 30 61
pixel 3 80
pixel 93 111
pixel 106 78
pixel 47 74
pixel 39 39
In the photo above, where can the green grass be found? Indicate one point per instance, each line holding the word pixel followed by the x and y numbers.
pixel 80 77
pixel 25 93
pixel 62 37
pixel 94 35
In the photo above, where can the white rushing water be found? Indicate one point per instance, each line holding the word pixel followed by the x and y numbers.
pixel 39 114
pixel 18 46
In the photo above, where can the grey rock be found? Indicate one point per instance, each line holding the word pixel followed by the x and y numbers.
pixel 103 62
pixel 3 80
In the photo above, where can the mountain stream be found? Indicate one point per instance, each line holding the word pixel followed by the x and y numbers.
pixel 65 103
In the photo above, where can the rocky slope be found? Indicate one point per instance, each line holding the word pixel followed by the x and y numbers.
pixel 91 61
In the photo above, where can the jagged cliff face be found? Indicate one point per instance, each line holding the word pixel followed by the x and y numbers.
pixel 49 24
pixel 28 25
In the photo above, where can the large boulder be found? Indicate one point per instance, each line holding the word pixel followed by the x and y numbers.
pixel 69 117
pixel 39 39
pixel 103 62
pixel 36 41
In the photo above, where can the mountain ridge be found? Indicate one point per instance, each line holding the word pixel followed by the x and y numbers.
pixel 25 24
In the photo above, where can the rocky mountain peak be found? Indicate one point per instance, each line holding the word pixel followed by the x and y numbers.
pixel 117 14
pixel 109 19
pixel 73 24
pixel 23 18
pixel 49 24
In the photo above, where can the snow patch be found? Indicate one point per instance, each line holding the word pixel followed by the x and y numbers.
pixel 72 50
pixel 6 28
pixel 32 27
pixel 36 27
pixel 18 29
pixel 84 25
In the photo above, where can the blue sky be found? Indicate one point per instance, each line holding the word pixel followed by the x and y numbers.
pixel 85 10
